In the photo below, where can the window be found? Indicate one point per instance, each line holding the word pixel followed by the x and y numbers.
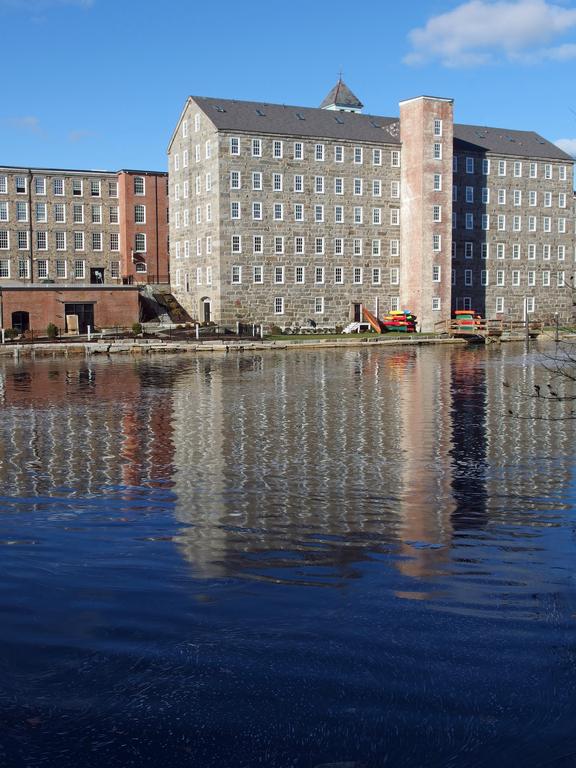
pixel 375 247
pixel 469 165
pixel 395 158
pixel 358 214
pixel 319 184
pixel 468 250
pixel 499 305
pixel 278 245
pixel 319 246
pixel 437 127
pixel 532 223
pixel 40 185
pixel 96 214
pixel 22 240
pixel 298 150
pixel 516 251
pixel 42 268
pixel 234 210
pixel 486 166
pixel 21 185
pixel 533 173
pixel 547 171
pixel 485 195
pixel 114 269
pixel 357 186
pixel 562 199
pixel 258 244
pixel 256 148
pixel 376 157
pixel 547 224
pixel 298 212
pixel 114 214
pixel 97 241
pixel 319 275
pixel 338 154
pixel 437 182
pixel 278 211
pixel 114 241
pixel 319 305
pixel 319 213
pixel 547 199
pixel 500 250
pixel 357 245
pixel 468 277
pixel 376 215
pixel 236 243
pixel 319 152
pixel 436 304
pixel 338 214
pixel 560 279
pixel 3 185
pixel 501 222
pixel 3 211
pixel 500 277
pixel 258 274
pixel 436 273
pixel 436 242
pixel 78 241
pixel 358 155
pixel 394 247
pixel 299 245
pixel 236 274
pixel 277 149
pixel 176 163
pixel 257 211
pixel 484 250
pixel 395 189
pixel 21 211
pixel 532 251
pixel 546 279
pixel 278 275
pixel 60 241
pixel 455 163
pixel 469 194
pixel 5 239
pixel 437 151
pixel 234 145
pixel 546 252
pixel 298 183
pixel 376 188
pixel 277 182
pixel 338 246
pixel 139 214
pixel 484 277
pixel 95 188
pixel 23 268
pixel 256 181
pixel 562 225
pixel 113 188
pixel 278 305
pixel 79 269
pixel 299 274
pixel 517 168
pixel 562 173
pixel 41 241
pixel 501 167
pixel 531 278
pixel 197 154
pixel 196 123
pixel 338 275
pixel 234 179
pixel 561 252
pixel 185 159
pixel 517 223
pixel 395 216
pixel 185 189
pixel 357 275
pixel 394 276
pixel 532 198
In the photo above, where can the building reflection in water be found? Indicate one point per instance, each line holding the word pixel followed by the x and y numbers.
pixel 297 466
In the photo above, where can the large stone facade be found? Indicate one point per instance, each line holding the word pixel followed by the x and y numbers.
pixel 282 215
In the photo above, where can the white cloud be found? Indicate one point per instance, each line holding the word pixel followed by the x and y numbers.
pixel 478 31
pixel 75 136
pixel 28 123
pixel 568 145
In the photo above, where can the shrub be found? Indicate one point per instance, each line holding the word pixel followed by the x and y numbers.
pixel 275 330
pixel 51 331
pixel 11 333
pixel 136 329
pixel 339 329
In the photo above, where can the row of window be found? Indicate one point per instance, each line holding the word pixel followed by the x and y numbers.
pixel 532 249
pixel 297 150
pixel 319 184
pixel 59 186
pixel 60 240
pixel 61 269
pixel 473 165
pixel 516 195
pixel 503 223
pixel 298 275
pixel 501 277
pixel 59 212
pixel 277 210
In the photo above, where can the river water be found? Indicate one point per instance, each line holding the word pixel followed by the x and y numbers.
pixel 353 558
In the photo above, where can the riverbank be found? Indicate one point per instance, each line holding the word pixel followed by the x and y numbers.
pixel 166 346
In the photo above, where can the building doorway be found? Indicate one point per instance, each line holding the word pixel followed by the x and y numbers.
pixel 85 314
pixel 357 312
pixel 21 321
pixel 207 310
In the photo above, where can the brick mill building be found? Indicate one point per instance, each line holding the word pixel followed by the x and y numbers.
pixel 79 243
pixel 281 214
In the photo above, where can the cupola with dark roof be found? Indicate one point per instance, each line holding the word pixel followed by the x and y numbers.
pixel 341 99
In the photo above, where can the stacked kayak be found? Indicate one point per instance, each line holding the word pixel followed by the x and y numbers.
pixel 466 319
pixel 401 320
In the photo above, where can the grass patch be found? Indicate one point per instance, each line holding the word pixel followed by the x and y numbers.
pixel 301 337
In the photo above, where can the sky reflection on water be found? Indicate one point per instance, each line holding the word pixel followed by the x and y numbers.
pixel 285 559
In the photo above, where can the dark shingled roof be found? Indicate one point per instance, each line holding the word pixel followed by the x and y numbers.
pixel 256 117
pixel 312 122
pixel 501 141
pixel 342 96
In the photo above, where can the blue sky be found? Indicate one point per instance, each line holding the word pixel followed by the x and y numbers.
pixel 100 83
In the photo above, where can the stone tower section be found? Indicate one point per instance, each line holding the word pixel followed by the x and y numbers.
pixel 426 132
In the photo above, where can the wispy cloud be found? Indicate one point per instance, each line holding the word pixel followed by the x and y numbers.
pixel 33 6
pixel 75 136
pixel 28 123
pixel 568 145
pixel 480 32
